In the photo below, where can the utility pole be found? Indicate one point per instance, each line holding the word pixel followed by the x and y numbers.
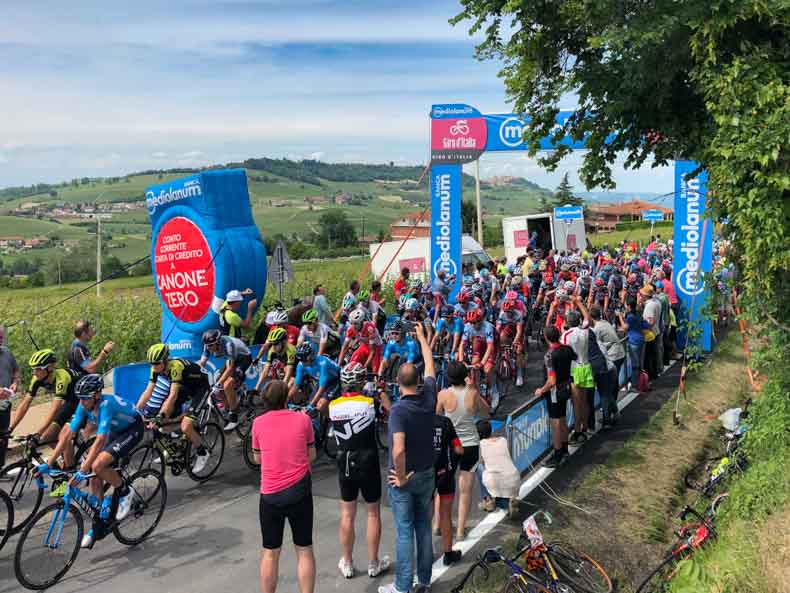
pixel 363 225
pixel 479 211
pixel 98 252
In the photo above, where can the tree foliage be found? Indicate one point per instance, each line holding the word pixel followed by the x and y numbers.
pixel 706 81
pixel 336 230
pixel 564 194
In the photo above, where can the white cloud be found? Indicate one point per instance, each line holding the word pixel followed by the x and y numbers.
pixel 159 155
pixel 192 154
pixel 316 156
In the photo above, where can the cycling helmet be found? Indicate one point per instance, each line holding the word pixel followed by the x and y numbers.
pixel 304 352
pixel 363 295
pixel 584 273
pixel 309 316
pixel 516 281
pixel 484 272
pixel 511 295
pixel 415 285
pixel 211 336
pixel 474 316
pixel 88 385
pixel 353 375
pixel 469 280
pixel 279 318
pixel 561 294
pixel 570 286
pixel 42 358
pixel 356 316
pixel 404 298
pixel 564 268
pixel 412 304
pixel 599 282
pixel 277 335
pixel 447 311
pixel 463 296
pixel 397 327
pixel 426 291
pixel 508 305
pixel 158 353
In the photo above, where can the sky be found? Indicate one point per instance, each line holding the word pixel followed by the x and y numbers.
pixel 93 88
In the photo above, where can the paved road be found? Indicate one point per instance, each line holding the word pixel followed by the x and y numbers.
pixel 209 537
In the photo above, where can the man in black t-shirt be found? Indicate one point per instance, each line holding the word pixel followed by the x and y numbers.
pixel 447 451
pixel 557 390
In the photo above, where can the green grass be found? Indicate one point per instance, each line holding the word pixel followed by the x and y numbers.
pixel 641 236
pixel 31 227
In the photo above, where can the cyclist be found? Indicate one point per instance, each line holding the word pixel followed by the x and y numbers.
pixel 440 288
pixel 415 314
pixel 353 418
pixel 479 340
pixel 119 428
pixel 237 360
pixel 315 332
pixel 320 368
pixel 58 381
pixel 188 385
pixel 363 334
pixel 444 330
pixel 350 301
pixel 464 303
pixel 400 344
pixel 79 358
pixel 278 351
pixel 510 327
pixel 230 321
pixel 279 318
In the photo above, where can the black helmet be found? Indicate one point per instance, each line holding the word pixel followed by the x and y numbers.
pixel 304 352
pixel 211 336
pixel 87 385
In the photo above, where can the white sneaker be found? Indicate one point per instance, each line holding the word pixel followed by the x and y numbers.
pixel 346 568
pixel 200 462
pixel 124 507
pixel 519 381
pixel 382 566
pixel 495 400
pixel 389 589
pixel 87 540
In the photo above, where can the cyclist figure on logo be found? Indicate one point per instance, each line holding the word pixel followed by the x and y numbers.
pixel 237 359
pixel 479 341
pixel 119 428
pixel 319 368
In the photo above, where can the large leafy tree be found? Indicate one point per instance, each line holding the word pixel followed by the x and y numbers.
pixel 563 195
pixel 659 80
pixel 336 230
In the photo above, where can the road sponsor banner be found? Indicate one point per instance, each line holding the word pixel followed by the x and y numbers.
pixel 446 221
pixel 693 246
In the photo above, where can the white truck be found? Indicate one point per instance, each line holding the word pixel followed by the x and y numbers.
pixel 415 255
pixel 552 234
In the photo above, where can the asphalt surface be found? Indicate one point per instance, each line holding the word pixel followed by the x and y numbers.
pixel 209 537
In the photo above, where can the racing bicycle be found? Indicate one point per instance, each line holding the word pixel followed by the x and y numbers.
pixel 517 582
pixel 6 517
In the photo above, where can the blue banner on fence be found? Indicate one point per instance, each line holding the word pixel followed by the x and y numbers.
pixel 446 221
pixel 529 434
pixel 693 249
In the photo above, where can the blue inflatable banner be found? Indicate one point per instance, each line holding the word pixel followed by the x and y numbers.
pixel 204 244
pixel 446 222
pixel 693 246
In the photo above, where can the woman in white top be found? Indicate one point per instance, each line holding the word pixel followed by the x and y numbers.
pixel 499 478
pixel 461 403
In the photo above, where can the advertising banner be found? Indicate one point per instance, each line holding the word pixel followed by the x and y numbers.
pixel 528 434
pixel 416 265
pixel 505 132
pixel 446 221
pixel 693 246
pixel 569 213
pixel 204 243
pixel 653 215
pixel 521 238
pixel 458 134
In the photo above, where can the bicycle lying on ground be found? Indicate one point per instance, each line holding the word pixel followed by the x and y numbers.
pixel 6 517
pixel 712 472
pixel 50 542
pixel 690 537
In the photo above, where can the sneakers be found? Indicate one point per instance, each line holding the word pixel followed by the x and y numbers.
pixel 556 459
pixel 233 422
pixel 88 540
pixel 201 459
pixel 346 568
pixel 495 399
pixel 513 508
pixel 519 381
pixel 488 505
pixel 382 566
pixel 59 490
pixel 124 507
pixel 577 438
pixel 390 589
pixel 451 557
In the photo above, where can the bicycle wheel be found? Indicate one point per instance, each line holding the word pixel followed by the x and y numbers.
pixel 48 546
pixel 144 457
pixel 716 503
pixel 330 442
pixel 213 440
pixel 518 584
pixel 247 454
pixel 148 505
pixel 382 432
pixel 579 569
pixel 657 580
pixel 6 517
pixel 18 482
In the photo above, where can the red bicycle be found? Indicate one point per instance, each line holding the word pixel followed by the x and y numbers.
pixel 690 537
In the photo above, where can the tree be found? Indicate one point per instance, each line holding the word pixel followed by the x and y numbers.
pixel 336 230
pixel 564 196
pixel 468 216
pixel 706 81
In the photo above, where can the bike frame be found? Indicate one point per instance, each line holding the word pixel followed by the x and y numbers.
pixel 79 497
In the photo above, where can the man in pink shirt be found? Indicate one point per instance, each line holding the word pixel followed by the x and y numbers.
pixel 284 445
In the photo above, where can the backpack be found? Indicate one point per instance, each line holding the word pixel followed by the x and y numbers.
pixel 595 355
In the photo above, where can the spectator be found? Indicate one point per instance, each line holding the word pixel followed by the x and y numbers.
pixel 402 283
pixel 9 381
pixel 230 322
pixel 411 477
pixel 613 349
pixel 447 449
pixel 583 382
pixel 499 478
pixel 634 326
pixel 322 307
pixel 79 358
pixel 663 298
pixel 461 404
pixel 284 445
pixel 557 364
pixel 652 314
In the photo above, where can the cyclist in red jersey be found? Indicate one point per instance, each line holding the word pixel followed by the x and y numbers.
pixel 510 327
pixel 363 334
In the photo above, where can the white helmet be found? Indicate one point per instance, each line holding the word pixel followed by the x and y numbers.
pixel 356 316
pixel 279 318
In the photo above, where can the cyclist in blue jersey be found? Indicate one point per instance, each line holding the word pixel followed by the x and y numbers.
pixel 444 329
pixel 237 359
pixel 322 369
pixel 399 344
pixel 465 302
pixel 119 428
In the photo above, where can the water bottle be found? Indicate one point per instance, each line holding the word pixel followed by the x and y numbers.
pixel 104 512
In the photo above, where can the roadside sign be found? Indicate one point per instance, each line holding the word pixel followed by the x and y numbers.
pixel 653 215
pixel 569 213
pixel 281 269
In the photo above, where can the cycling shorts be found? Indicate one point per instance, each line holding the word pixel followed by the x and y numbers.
pixel 295 503
pixel 469 459
pixel 557 401
pixel 65 413
pixel 583 376
pixel 366 480
pixel 194 394
pixel 445 482
pixel 361 355
pixel 121 444
pixel 332 391
pixel 479 347
pixel 242 363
